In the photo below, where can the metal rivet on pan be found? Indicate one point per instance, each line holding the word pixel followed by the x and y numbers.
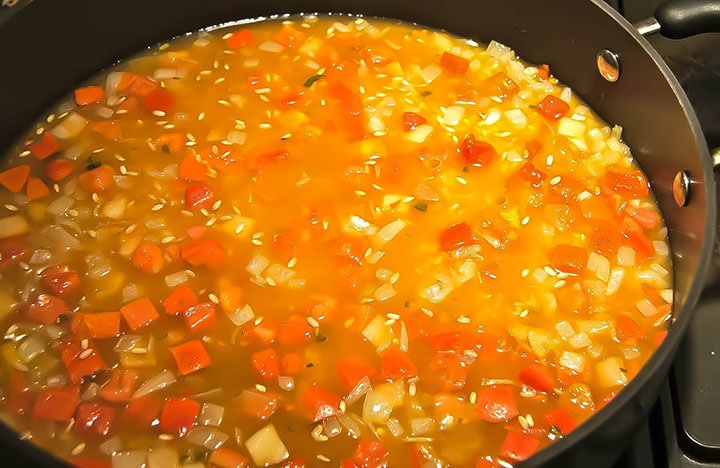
pixel 608 64
pixel 681 188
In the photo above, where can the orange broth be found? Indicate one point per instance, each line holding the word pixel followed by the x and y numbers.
pixel 323 241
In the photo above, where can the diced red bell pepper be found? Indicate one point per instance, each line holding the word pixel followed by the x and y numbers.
pixel 159 100
pixel 456 236
pixel 12 252
pixel 46 146
pixel 266 363
pixel 627 328
pixel 560 418
pixel 203 252
pixel 60 280
pixel 412 120
pixel 57 403
pixel 321 403
pixel 148 257
pixel 47 309
pixel 200 318
pixel 139 313
pixel 121 386
pixel 294 331
pixel 190 357
pixel 454 63
pixel 370 454
pixel 181 299
pixel 179 415
pixel 497 403
pixel 144 410
pixel 227 458
pixel 239 38
pixel 79 361
pixel 396 364
pixel 518 447
pixel 451 369
pixel 633 184
pixel 568 259
pixel 102 324
pixel 99 179
pixel 532 174
pixel 537 377
pixel 352 369
pixel 199 196
pixel 477 153
pixel 94 419
pixel 552 108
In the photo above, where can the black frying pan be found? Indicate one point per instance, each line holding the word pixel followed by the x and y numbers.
pixel 47 47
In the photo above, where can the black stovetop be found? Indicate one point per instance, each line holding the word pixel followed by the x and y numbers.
pixel 683 430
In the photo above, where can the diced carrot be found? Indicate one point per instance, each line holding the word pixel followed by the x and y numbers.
pixel 456 236
pixel 94 419
pixel 171 142
pixel 627 328
pixel 80 361
pixel 111 130
pixel 61 280
pixel 648 219
pixel 265 363
pixel 36 189
pixel 196 232
pixel 636 237
pixel 200 318
pixel 148 257
pixel 532 174
pixel 477 153
pixel 46 146
pixel 181 299
pixel 58 169
pixel 294 331
pixel 292 364
pixel 144 410
pixel 88 95
pixel 139 313
pixel 179 415
pixel 568 259
pixel 57 403
pixel 502 86
pixel 129 105
pixel 159 100
pixel 560 418
pixel 497 403
pixel 191 169
pixel 454 63
pixel 138 85
pixel 203 252
pixel 518 447
pixel 98 179
pixel 412 120
pixel 240 38
pixel 289 36
pixel 226 458
pixel 47 309
pixel 199 196
pixel 102 324
pixel 633 184
pixel 261 405
pixel 190 357
pixel 370 454
pixel 352 369
pixel 552 108
pixel 14 178
pixel 396 364
pixel 85 462
pixel 322 403
pixel 121 385
pixel 537 377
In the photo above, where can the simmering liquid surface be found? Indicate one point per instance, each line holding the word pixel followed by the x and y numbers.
pixel 325 241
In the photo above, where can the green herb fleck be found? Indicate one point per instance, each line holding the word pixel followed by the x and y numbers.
pixel 420 206
pixel 309 364
pixel 406 304
pixel 425 93
pixel 320 338
pixel 92 163
pixel 165 149
pixel 310 81
pixel 466 169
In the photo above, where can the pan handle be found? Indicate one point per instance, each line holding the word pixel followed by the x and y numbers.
pixel 677 19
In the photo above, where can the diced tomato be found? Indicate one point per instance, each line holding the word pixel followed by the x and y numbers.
pixel 46 146
pixel 199 196
pixel 532 174
pixel 352 369
pixel 200 318
pixel 13 251
pixel 190 357
pixel 36 189
pixel 226 458
pixel 148 257
pixel 552 108
pixel 181 299
pixel 266 364
pixel 477 153
pixel 240 38
pixel 111 130
pixel 518 447
pixel 291 364
pixel 192 169
pixel 497 403
pixel 144 410
pixel 633 184
pixel 568 259
pixel 94 419
pixel 627 328
pixel 456 236
pixel 294 331
pixel 14 178
pixel 121 385
pixel 57 403
pixel 179 415
pixel 454 63
pixel 537 377
pixel 80 361
pixel 58 169
pixel 560 418
pixel 411 120
pixel 102 324
pixel 139 313
pixel 60 280
pixel 203 252
pixel 47 309
pixel 20 403
pixel 396 364
pixel 370 454
pixel 86 462
pixel 159 100
pixel 321 403
pixel 99 179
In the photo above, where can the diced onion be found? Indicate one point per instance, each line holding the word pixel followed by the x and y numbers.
pixel 155 383
pixel 430 73
pixel 236 137
pixel 279 273
pixel 242 315
pixel 271 46
pixel 465 272
pixel 352 423
pixel 131 344
pixel 380 402
pixel 40 256
pixel 361 388
pixel 572 360
pixel 111 446
pixel 419 134
pixel 169 73
pixel 421 426
pixel 13 226
pixel 440 289
pixel 102 111
pixel 616 277
pixel 31 347
pixel 378 333
pixel 667 295
pixel 609 372
pixel 332 426
pixel 63 239
pixel 581 340
pixel 452 115
pixel 626 256
pixel 115 208
pixel 97 265
pixel 211 414
pixel 600 265
pixel 131 459
pixel 565 329
pixel 384 292
pixel 571 128
pixel 70 126
pixel 498 50
pixel 162 457
pixel 208 437
pixel 286 382
pixel 130 292
pixel 517 117
pixel 646 307
pixel 265 447
pixel 176 279
pixel 258 264
pixel 395 427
